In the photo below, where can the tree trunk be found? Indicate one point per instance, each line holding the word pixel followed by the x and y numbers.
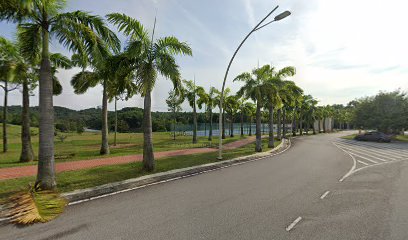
pixel 211 126
pixel 46 162
pixel 232 126
pixel 5 147
pixel 314 128
pixel 195 124
pixel 284 122
pixel 279 122
pixel 105 145
pixel 116 121
pixel 27 154
pixel 258 145
pixel 148 156
pixel 307 127
pixel 294 124
pixel 250 126
pixel 242 124
pixel 271 142
pixel 319 122
pixel 300 124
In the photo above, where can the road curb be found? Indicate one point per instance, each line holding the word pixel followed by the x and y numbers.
pixel 88 194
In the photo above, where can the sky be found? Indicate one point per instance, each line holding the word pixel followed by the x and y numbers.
pixel 342 49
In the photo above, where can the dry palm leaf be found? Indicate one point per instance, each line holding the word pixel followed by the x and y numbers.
pixel 27 207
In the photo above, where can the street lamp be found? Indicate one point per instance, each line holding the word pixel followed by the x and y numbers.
pixel 256 28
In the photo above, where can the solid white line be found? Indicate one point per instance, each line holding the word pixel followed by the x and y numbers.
pixel 363 162
pixel 352 168
pixel 293 224
pixel 324 195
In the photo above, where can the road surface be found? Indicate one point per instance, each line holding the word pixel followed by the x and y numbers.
pixel 295 195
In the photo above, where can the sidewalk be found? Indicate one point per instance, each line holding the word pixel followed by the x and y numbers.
pixel 26 171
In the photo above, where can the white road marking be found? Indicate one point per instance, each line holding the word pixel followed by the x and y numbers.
pixel 324 195
pixel 398 151
pixel 373 152
pixel 370 160
pixel 293 224
pixel 391 154
pixel 352 168
pixel 366 154
pixel 363 163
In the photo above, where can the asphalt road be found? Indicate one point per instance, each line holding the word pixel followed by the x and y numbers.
pixel 295 195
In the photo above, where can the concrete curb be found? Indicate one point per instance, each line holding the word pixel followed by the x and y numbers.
pixel 88 194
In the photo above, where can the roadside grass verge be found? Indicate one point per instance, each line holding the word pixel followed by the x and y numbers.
pixel 87 145
pixel 73 180
pixel 350 137
pixel 402 138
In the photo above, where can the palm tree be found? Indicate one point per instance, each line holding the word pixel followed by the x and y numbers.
pixel 231 107
pixel 191 92
pixel 251 112
pixel 104 73
pixel 244 110
pixel 8 61
pixel 290 94
pixel 254 89
pixel 210 102
pixel 147 58
pixel 227 92
pixel 27 76
pixel 174 102
pixel 78 31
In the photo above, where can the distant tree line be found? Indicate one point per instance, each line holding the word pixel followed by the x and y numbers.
pixel 129 119
pixel 386 112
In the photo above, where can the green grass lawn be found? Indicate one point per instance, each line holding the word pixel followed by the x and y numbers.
pixel 349 137
pixel 87 145
pixel 402 138
pixel 69 181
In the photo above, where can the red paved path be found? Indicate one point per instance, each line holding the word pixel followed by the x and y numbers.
pixel 25 171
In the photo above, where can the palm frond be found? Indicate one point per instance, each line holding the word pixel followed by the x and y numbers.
pixel 286 72
pixel 244 77
pixel 28 207
pixel 60 61
pixel 172 46
pixel 95 24
pixel 167 66
pixel 129 26
pixel 56 86
pixel 15 10
pixel 84 80
pixel 29 40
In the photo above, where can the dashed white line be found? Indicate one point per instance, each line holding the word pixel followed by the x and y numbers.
pixel 324 195
pixel 293 224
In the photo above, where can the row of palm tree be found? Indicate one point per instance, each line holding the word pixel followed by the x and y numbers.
pixel 97 50
pixel 124 71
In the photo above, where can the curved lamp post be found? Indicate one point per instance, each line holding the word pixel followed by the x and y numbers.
pixel 256 28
